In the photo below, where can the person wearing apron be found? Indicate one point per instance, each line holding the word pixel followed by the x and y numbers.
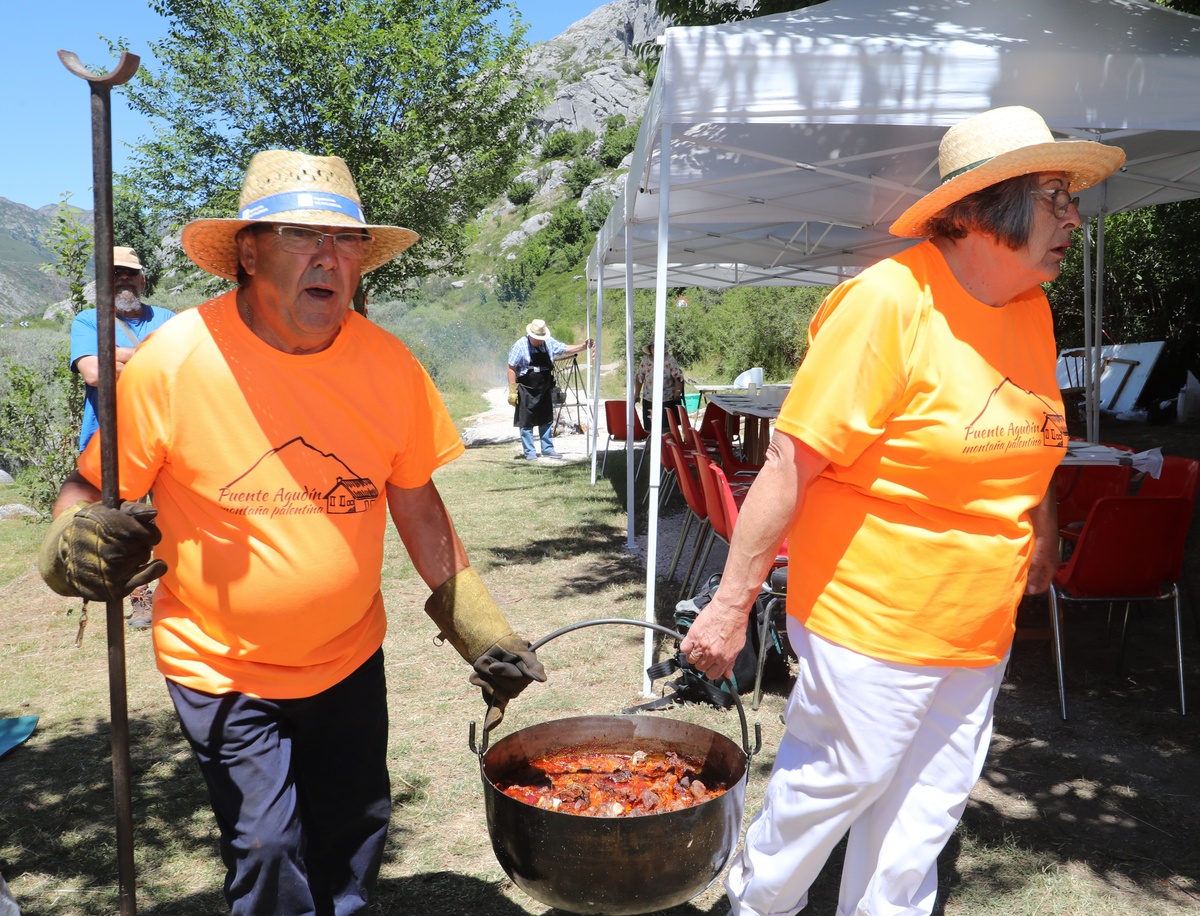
pixel 531 386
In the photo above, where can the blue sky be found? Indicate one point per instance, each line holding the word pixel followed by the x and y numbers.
pixel 46 110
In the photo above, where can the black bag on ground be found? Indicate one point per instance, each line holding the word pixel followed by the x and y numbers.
pixel 692 686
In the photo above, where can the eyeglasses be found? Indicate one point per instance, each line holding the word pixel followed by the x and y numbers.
pixel 302 240
pixel 126 272
pixel 1060 200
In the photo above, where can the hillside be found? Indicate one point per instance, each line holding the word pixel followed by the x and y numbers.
pixel 23 285
pixel 589 73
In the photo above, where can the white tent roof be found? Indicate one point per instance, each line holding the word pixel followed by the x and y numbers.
pixel 795 140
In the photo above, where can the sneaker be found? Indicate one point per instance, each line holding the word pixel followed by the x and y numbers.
pixel 141 601
pixel 525 457
pixel 552 454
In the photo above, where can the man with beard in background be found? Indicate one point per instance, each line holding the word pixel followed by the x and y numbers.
pixel 134 322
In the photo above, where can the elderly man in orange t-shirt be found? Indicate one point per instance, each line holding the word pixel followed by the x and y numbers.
pixel 278 429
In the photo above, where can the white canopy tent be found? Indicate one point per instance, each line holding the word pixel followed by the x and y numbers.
pixel 780 149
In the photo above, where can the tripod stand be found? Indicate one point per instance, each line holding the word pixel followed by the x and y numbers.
pixel 572 413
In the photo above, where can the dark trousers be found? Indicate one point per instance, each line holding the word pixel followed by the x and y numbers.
pixel 300 790
pixel 648 408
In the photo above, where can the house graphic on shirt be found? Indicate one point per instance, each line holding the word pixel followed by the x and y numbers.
pixel 348 496
pixel 1017 418
pixel 297 478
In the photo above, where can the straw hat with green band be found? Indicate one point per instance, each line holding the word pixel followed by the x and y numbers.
pixel 283 186
pixel 1000 144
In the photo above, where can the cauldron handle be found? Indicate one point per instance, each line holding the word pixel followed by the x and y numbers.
pixel 737 700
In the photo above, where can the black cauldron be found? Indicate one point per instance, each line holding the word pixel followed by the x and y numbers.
pixel 615 865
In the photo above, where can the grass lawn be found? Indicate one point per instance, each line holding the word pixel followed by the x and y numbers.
pixel 1096 815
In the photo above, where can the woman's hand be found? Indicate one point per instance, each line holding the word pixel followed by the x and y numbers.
pixel 715 638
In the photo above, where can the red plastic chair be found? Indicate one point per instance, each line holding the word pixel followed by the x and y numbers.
pixel 724 503
pixel 689 486
pixel 729 461
pixel 1179 477
pixel 1077 489
pixel 618 431
pixel 713 417
pixel 1130 549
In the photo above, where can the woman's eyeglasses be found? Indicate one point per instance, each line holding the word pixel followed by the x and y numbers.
pixel 302 240
pixel 1060 199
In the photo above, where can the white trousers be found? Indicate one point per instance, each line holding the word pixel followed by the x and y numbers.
pixel 887 751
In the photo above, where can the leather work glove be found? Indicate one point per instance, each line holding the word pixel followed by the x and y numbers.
pixel 502 672
pixel 101 554
pixel 513 397
pixel 469 619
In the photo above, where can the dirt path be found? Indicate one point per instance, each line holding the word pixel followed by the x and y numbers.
pixel 496 425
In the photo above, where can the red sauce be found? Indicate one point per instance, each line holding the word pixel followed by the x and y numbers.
pixel 594 784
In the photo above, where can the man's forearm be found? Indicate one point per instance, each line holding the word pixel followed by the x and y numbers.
pixel 75 488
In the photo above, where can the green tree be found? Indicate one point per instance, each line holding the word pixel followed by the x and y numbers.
pixel 39 424
pixel 423 99
pixel 71 241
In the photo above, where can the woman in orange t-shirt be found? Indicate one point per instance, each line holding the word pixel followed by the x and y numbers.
pixel 915 491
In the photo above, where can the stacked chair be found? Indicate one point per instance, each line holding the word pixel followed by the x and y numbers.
pixel 618 431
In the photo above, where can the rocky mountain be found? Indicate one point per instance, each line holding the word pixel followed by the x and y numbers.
pixel 24 288
pixel 591 72
pixel 593 69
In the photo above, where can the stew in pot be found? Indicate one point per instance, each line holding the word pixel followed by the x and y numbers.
pixel 605 784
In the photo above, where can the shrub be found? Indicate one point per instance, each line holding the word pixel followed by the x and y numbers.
pixel 619 140
pixel 521 192
pixel 559 144
pixel 581 174
pixel 516 278
pixel 595 211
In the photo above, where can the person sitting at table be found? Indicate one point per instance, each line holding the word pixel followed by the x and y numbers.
pixel 672 384
pixel 913 460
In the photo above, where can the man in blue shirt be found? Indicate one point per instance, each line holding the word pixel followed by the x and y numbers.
pixel 531 385
pixel 135 321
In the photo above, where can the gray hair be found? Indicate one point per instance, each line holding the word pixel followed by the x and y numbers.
pixel 1003 211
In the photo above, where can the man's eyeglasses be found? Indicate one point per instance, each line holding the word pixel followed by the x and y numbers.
pixel 1060 199
pixel 302 240
pixel 126 272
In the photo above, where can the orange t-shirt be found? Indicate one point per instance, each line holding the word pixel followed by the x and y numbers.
pixel 942 422
pixel 269 473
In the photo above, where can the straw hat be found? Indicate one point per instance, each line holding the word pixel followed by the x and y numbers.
pixel 537 329
pixel 126 257
pixel 999 144
pixel 283 186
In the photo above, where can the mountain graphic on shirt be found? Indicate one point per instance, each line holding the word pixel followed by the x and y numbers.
pixel 297 478
pixel 1013 417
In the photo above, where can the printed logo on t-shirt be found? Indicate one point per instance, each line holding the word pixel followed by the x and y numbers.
pixel 319 483
pixel 1014 419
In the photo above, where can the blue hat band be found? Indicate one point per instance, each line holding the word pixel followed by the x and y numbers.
pixel 302 200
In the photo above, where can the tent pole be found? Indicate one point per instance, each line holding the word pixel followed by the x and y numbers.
pixel 587 335
pixel 1099 320
pixel 1089 395
pixel 599 343
pixel 656 433
pixel 630 479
